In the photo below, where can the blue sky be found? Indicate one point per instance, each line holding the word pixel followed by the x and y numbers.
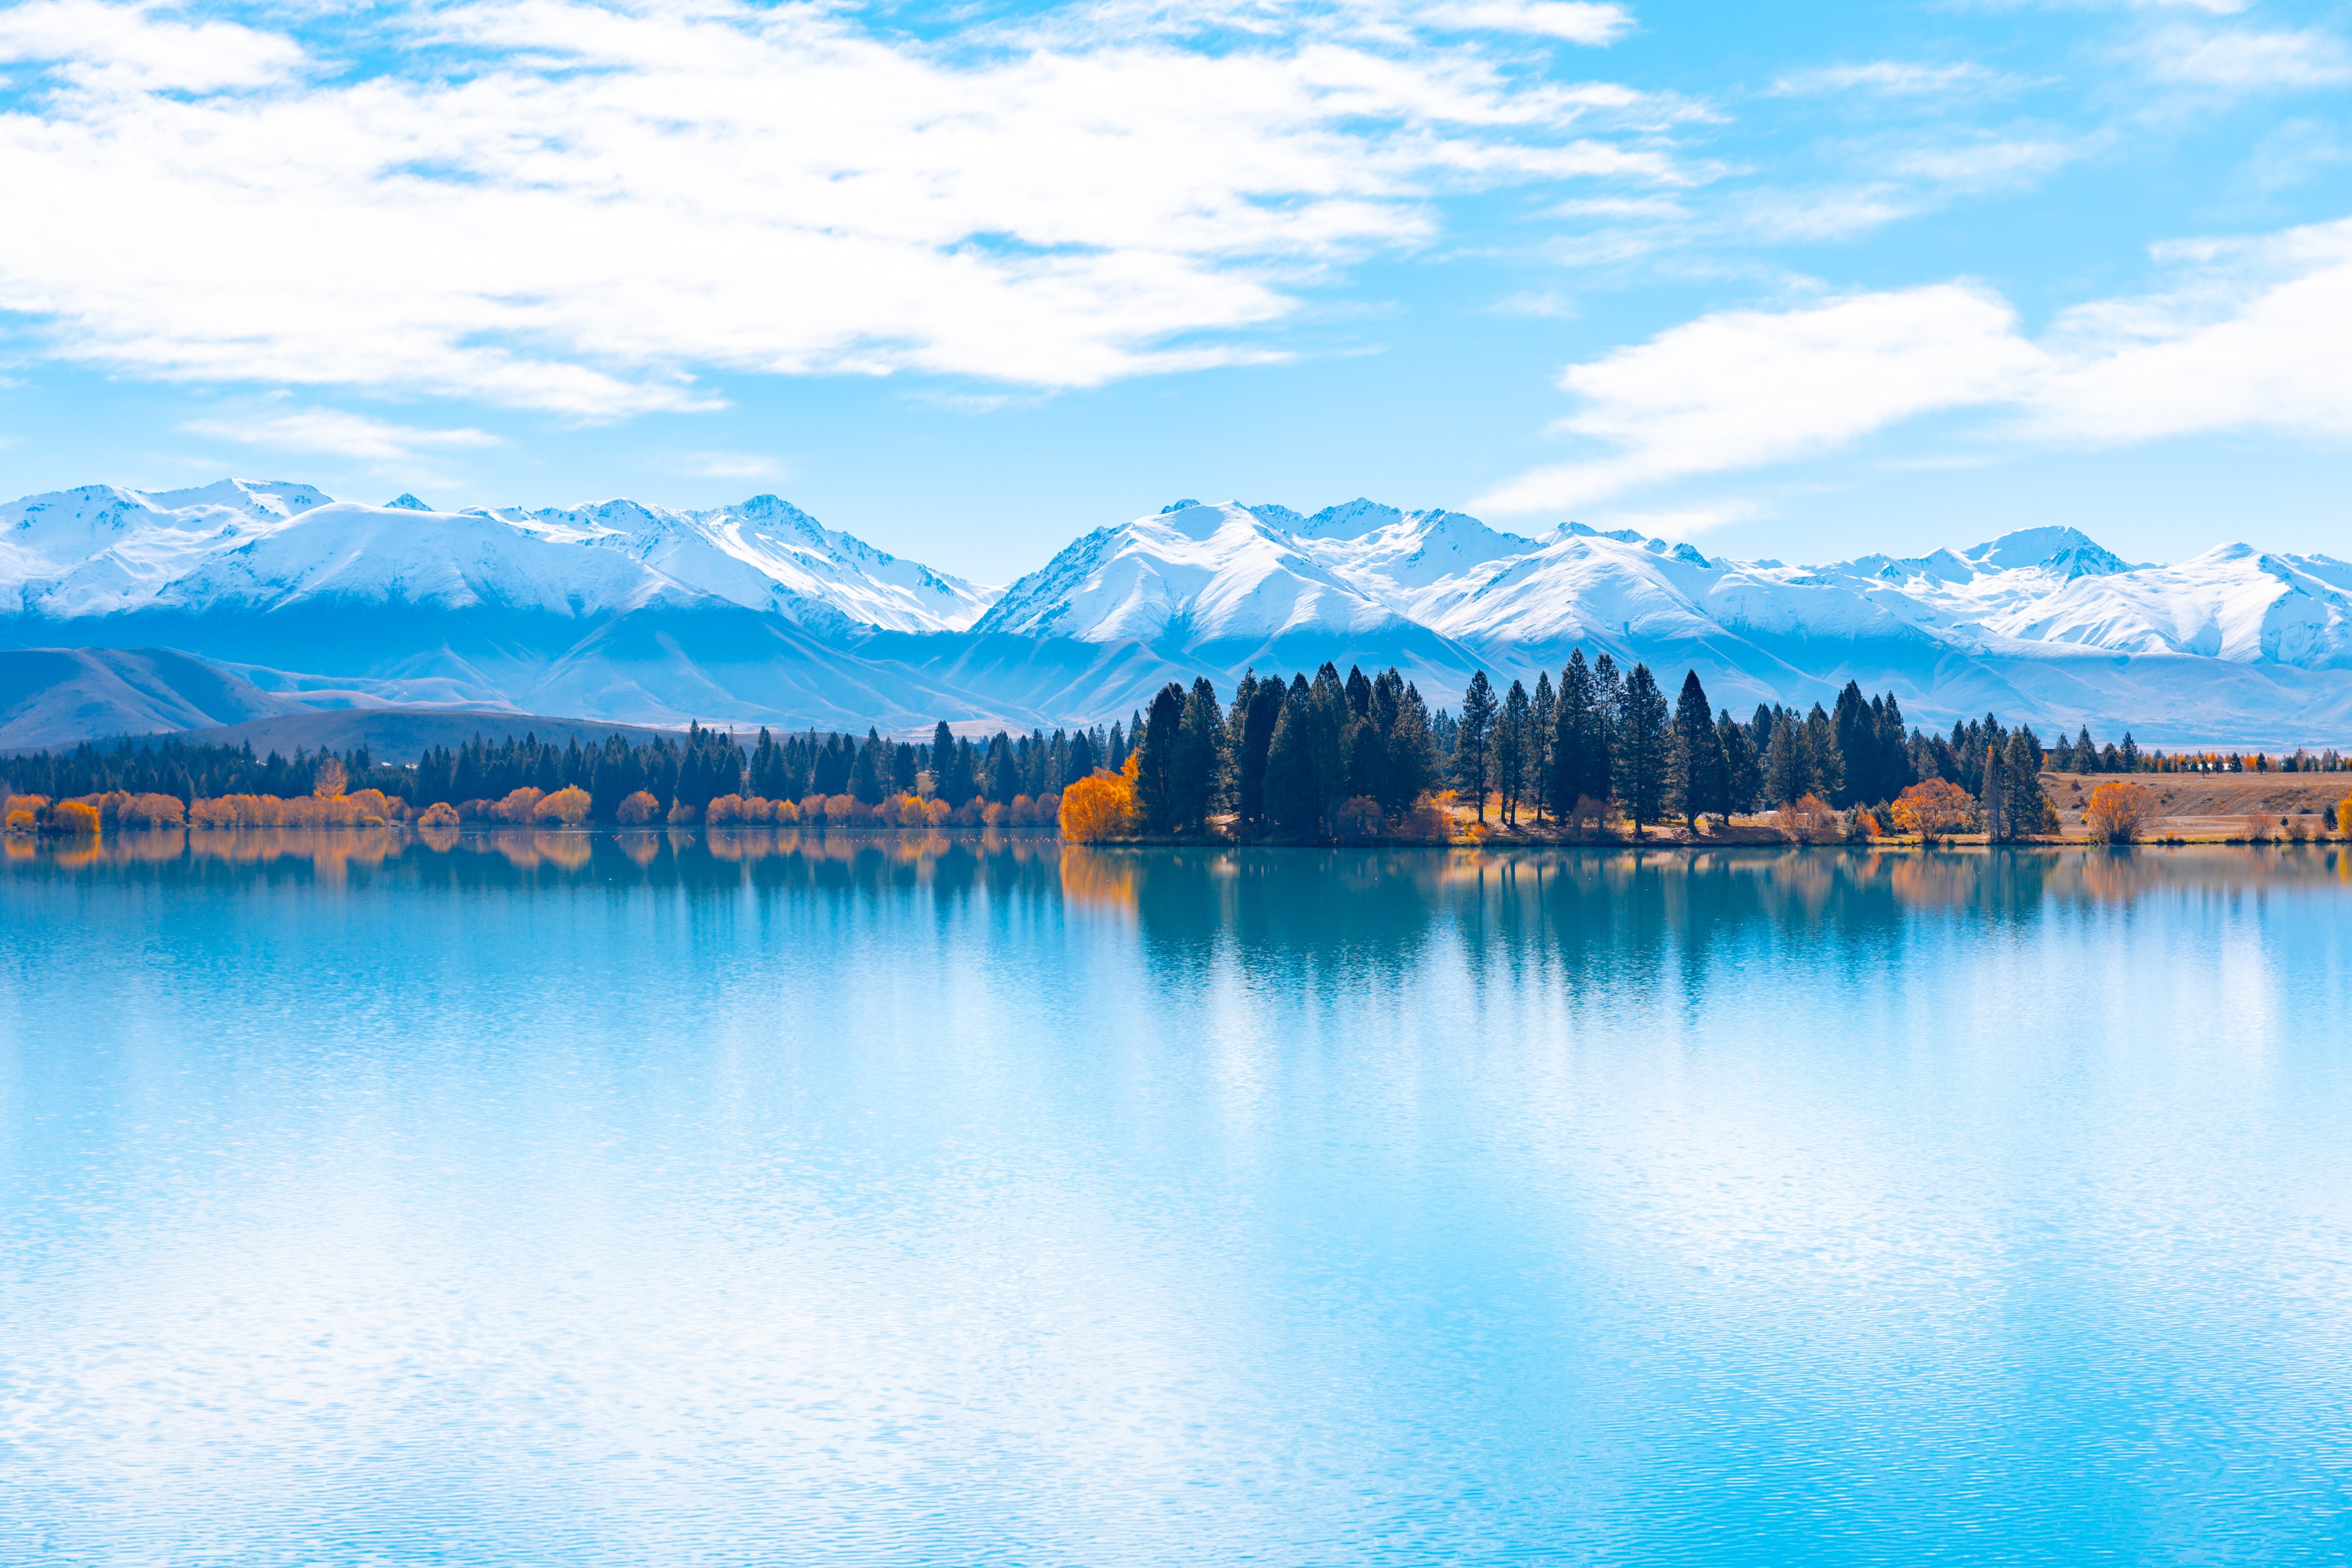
pixel 1799 281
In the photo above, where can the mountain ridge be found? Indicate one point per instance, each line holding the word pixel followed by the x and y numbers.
pixel 624 611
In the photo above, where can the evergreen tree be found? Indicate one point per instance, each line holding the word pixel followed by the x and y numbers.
pixel 1784 763
pixel 1823 760
pixel 1000 770
pixel 1546 717
pixel 1360 693
pixel 1474 741
pixel 1197 779
pixel 2087 752
pixel 869 773
pixel 1579 748
pixel 1742 769
pixel 2129 756
pixel 1412 765
pixel 1257 737
pixel 1292 806
pixel 1640 748
pixel 1331 717
pixel 1991 810
pixel 1697 777
pixel 1154 770
pixel 1511 749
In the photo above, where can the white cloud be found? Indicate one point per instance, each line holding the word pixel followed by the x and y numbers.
pixel 1577 21
pixel 2243 60
pixel 343 434
pixel 2254 335
pixel 1748 387
pixel 732 465
pixel 125 49
pixel 619 201
pixel 1894 76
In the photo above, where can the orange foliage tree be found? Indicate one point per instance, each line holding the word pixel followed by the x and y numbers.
pixel 2344 816
pixel 1099 807
pixel 568 806
pixel 637 809
pixel 75 818
pixel 2119 811
pixel 440 814
pixel 329 780
pixel 1932 809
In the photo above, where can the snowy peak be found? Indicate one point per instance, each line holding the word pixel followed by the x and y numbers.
pixel 2065 552
pixel 1194 574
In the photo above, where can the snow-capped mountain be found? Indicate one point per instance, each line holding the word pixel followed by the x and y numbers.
pixel 757 612
pixel 768 554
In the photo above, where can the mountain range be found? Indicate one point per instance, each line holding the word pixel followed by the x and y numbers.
pixel 131 612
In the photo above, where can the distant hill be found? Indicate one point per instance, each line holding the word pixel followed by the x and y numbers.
pixel 52 696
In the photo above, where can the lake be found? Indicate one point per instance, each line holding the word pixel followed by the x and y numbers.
pixel 797 1198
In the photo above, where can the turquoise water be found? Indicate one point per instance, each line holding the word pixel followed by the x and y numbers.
pixel 840 1200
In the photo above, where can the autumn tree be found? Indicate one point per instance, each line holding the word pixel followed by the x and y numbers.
pixel 327 781
pixel 1933 810
pixel 2119 811
pixel 1099 807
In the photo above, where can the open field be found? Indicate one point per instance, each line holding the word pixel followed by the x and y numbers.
pixel 2212 805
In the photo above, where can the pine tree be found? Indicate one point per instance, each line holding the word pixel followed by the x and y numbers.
pixel 1412 765
pixel 1257 735
pixel 1331 713
pixel 1511 749
pixel 1155 805
pixel 1784 763
pixel 1698 779
pixel 1582 764
pixel 1742 771
pixel 1990 807
pixel 1197 778
pixel 1546 717
pixel 1640 748
pixel 2086 751
pixel 1474 741
pixel 1291 805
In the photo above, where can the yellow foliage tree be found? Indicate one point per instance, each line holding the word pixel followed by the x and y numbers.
pixel 637 809
pixel 519 805
pixel 1099 807
pixel 74 818
pixel 1932 809
pixel 440 814
pixel 568 806
pixel 2119 811
pixel 328 781
pixel 2344 816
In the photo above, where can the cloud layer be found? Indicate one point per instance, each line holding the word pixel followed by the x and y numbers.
pixel 584 208
pixel 2253 335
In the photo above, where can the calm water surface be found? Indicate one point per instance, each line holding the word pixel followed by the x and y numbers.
pixel 849 1200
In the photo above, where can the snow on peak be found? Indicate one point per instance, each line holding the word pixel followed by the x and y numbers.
pixel 406 502
pixel 2070 550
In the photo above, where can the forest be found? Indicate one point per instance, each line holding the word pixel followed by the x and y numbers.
pixel 1324 758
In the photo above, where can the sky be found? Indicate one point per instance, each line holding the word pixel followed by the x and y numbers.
pixel 1798 281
